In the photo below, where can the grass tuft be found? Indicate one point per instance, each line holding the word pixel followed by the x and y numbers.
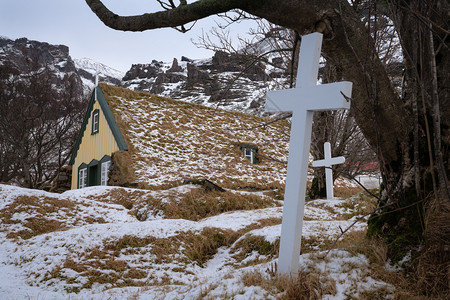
pixel 308 284
pixel 39 212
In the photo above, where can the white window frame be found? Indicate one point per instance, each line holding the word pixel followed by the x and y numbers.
pixel 249 154
pixel 105 172
pixel 82 178
pixel 95 120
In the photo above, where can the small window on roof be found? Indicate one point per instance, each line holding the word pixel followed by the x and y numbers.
pixel 95 121
pixel 250 152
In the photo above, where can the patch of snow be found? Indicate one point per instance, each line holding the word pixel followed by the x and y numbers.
pixel 24 263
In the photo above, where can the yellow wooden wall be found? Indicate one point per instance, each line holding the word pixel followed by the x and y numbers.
pixel 94 146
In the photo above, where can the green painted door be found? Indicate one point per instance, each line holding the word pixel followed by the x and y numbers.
pixel 93 175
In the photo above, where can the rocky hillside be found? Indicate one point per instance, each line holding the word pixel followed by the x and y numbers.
pixel 87 68
pixel 234 82
pixel 25 57
pixel 229 81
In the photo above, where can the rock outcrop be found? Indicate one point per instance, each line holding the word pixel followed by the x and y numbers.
pixel 26 57
pixel 231 81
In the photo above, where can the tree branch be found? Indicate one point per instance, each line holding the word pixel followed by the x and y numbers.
pixel 178 16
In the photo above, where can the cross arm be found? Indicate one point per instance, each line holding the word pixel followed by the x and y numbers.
pixel 312 98
pixel 328 162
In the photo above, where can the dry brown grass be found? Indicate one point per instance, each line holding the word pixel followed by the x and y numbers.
pixel 374 248
pixel 360 204
pixel 208 129
pixel 308 285
pixel 199 204
pixel 345 192
pixel 432 266
pixel 193 205
pixel 314 283
pixel 408 285
pixel 260 224
pixel 202 246
pixel 102 264
pixel 250 243
pixel 125 197
pixel 39 210
pixel 315 243
pixel 427 275
pixel 256 185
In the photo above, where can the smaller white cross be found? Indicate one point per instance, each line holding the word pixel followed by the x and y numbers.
pixel 327 163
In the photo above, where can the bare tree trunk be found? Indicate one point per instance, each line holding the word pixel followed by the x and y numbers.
pixel 413 92
pixel 443 180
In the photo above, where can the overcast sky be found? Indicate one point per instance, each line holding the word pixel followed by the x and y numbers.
pixel 72 23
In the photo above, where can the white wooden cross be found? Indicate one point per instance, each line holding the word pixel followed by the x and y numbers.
pixel 302 100
pixel 327 163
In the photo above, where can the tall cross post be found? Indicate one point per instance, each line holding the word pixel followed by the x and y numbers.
pixel 327 162
pixel 302 100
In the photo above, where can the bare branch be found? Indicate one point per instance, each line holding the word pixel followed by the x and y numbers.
pixel 171 17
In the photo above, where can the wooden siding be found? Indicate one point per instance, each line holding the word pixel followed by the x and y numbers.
pixel 94 146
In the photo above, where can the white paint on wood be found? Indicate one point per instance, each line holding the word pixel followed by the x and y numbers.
pixel 328 162
pixel 303 100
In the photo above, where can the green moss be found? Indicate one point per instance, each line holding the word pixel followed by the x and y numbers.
pixel 399 225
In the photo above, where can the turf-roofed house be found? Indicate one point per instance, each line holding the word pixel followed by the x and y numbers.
pixel 131 138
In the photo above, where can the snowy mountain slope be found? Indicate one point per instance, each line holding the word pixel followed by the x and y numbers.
pixel 229 81
pixel 102 250
pixel 88 68
pixel 92 67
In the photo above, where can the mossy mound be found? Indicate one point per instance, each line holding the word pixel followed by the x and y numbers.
pixel 401 225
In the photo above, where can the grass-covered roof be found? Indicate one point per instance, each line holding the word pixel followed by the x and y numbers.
pixel 170 141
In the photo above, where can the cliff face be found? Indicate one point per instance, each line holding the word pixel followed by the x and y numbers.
pixel 25 57
pixel 229 81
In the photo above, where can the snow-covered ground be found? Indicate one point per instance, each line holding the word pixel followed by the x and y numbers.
pixel 83 244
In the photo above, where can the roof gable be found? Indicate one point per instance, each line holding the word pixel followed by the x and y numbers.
pixel 109 118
